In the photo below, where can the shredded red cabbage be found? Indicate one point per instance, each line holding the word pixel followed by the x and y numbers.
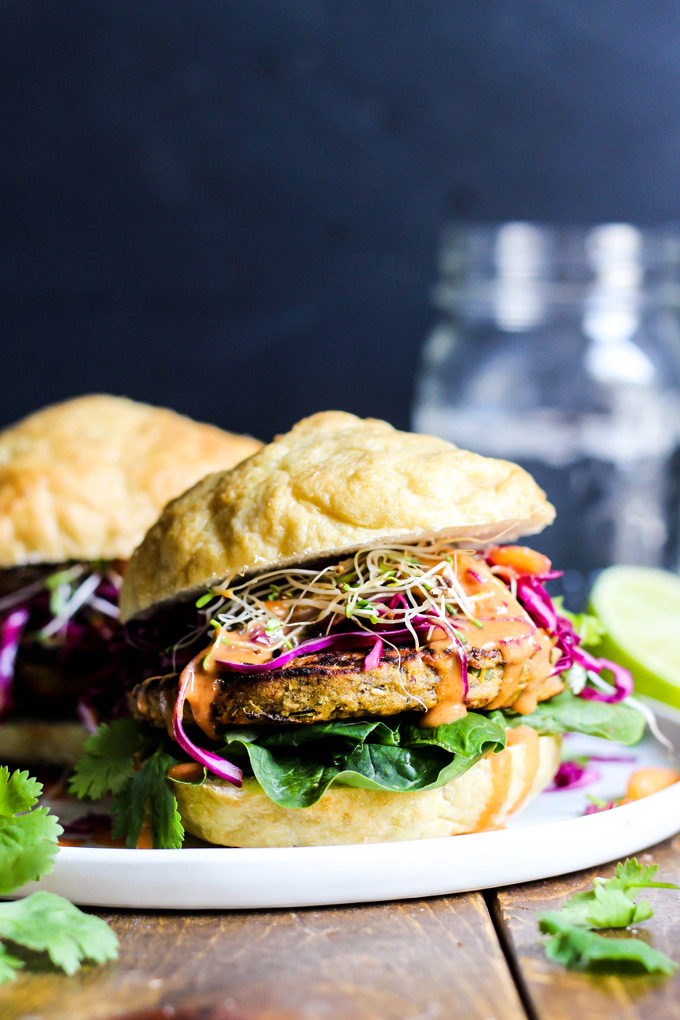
pixel 594 809
pixel 623 681
pixel 212 762
pixel 538 604
pixel 477 578
pixel 344 639
pixel 571 775
pixel 352 639
pixel 88 643
pixel 11 631
pixel 372 660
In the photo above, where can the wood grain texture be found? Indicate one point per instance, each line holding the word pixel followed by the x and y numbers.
pixel 417 960
pixel 553 993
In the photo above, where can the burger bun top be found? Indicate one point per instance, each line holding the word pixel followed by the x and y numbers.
pixel 335 482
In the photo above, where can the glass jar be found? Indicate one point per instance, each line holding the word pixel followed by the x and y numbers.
pixel 559 348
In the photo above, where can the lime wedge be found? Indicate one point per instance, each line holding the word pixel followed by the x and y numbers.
pixel 640 611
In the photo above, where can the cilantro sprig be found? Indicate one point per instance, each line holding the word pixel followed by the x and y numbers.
pixel 130 762
pixel 609 904
pixel 42 922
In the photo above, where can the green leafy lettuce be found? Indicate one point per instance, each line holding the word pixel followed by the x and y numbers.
pixel 295 765
pixel 609 904
pixel 41 922
pixel 567 713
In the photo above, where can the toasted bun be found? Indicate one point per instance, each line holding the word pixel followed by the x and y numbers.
pixel 39 742
pixel 482 798
pixel 84 480
pixel 334 482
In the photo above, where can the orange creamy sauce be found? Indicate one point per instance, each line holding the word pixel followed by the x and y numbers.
pixel 204 684
pixel 503 624
pixel 501 766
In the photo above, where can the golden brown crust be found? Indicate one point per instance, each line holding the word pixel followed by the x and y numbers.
pixel 83 480
pixel 334 482
pixel 482 798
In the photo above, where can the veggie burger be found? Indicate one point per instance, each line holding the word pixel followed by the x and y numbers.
pixel 80 483
pixel 342 648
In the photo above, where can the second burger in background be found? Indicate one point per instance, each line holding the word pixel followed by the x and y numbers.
pixel 343 651
pixel 80 483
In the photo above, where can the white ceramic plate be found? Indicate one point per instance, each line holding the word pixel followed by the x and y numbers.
pixel 552 837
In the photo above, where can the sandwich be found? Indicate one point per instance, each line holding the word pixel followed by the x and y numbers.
pixel 80 483
pixel 344 647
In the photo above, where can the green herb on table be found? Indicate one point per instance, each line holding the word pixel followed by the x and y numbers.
pixel 609 904
pixel 42 922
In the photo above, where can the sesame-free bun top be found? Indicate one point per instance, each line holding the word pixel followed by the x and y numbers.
pixel 83 480
pixel 331 484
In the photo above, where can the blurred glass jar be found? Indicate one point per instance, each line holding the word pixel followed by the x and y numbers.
pixel 559 348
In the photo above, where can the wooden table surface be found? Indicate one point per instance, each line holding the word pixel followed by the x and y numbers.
pixel 475 956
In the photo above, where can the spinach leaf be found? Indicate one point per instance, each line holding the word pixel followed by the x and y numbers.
pixel 567 713
pixel 296 765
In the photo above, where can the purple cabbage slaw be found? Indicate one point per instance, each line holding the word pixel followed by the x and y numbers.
pixel 532 595
pixel 27 612
pixel 572 775
pixel 11 632
pixel 211 761
pixel 595 809
pixel 575 773
pixel 353 639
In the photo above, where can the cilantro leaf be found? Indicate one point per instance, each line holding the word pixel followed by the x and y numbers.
pixel 28 834
pixel 48 923
pixel 18 791
pixel 111 764
pixel 107 762
pixel 9 965
pixel 578 948
pixel 42 922
pixel 633 875
pixel 613 908
pixel 147 797
pixel 609 904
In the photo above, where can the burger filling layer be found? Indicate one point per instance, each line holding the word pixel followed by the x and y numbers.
pixel 429 629
pixel 62 649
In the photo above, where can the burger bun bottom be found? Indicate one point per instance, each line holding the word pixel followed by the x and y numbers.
pixel 482 798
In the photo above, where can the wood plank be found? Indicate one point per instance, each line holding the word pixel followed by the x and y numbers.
pixel 423 959
pixel 553 993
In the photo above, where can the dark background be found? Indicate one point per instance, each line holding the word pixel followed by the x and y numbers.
pixel 233 207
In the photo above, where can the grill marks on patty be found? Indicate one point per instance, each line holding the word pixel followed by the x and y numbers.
pixel 334 685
